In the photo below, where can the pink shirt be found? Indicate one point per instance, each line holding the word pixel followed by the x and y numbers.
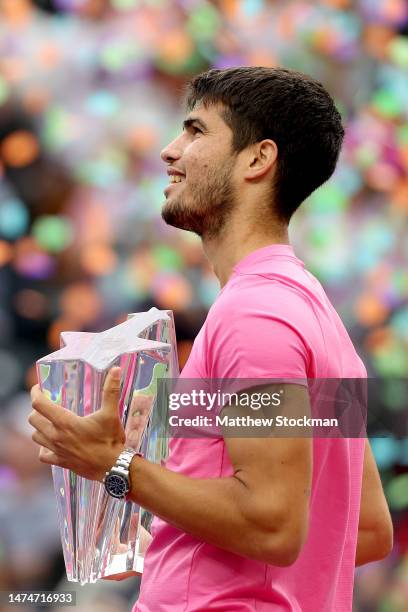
pixel 272 319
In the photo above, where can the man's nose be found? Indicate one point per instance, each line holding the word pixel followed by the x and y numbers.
pixel 172 152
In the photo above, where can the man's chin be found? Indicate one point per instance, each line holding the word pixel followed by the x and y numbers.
pixel 176 217
pixel 169 214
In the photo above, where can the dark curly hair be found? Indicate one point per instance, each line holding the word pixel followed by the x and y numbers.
pixel 289 107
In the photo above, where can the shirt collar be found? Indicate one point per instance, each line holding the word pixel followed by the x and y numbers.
pixel 263 254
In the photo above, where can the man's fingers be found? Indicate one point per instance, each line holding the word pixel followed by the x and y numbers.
pixel 122 576
pixel 111 391
pixel 44 406
pixel 41 424
pixel 43 441
pixel 49 457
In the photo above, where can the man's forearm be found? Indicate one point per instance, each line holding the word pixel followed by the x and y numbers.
pixel 219 511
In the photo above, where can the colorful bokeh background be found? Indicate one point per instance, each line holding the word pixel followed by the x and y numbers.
pixel 90 92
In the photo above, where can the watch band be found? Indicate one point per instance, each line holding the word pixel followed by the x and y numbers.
pixel 122 465
pixel 123 461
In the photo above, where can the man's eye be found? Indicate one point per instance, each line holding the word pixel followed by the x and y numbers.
pixel 196 130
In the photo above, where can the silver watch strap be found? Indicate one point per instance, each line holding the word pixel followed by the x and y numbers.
pixel 123 463
pixel 125 458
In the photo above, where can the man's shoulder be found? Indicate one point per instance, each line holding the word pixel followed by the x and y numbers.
pixel 248 294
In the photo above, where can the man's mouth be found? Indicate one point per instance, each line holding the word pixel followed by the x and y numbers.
pixel 174 179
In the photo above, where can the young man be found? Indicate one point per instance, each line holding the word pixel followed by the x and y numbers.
pixel 245 523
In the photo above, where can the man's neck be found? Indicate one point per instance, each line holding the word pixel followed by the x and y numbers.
pixel 225 251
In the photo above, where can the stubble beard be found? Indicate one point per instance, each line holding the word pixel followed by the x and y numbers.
pixel 206 211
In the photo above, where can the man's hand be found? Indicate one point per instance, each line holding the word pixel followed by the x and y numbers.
pixel 122 576
pixel 89 445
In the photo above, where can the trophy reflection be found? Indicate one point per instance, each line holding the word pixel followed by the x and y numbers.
pixel 101 535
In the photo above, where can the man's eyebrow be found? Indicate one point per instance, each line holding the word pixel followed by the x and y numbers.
pixel 188 122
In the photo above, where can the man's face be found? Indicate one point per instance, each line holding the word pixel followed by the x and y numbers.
pixel 204 194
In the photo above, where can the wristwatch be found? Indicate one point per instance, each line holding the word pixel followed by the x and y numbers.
pixel 116 481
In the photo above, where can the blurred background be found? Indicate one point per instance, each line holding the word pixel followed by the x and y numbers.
pixel 90 92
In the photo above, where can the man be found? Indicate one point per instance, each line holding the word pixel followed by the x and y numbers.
pixel 245 523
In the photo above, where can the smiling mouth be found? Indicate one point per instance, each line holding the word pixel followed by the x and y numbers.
pixel 174 180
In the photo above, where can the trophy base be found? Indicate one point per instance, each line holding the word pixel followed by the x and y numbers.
pixel 118 564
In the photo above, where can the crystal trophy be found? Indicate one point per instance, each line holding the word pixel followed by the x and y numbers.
pixel 101 535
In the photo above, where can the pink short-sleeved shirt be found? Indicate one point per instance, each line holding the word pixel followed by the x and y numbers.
pixel 272 319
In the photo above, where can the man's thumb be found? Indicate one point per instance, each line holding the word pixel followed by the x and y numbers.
pixel 111 390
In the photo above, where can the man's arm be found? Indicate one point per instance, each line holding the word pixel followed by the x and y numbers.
pixel 258 515
pixel 375 530
pixel 260 512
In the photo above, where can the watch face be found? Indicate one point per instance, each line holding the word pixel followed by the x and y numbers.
pixel 116 486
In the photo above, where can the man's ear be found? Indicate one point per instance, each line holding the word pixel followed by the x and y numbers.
pixel 262 158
